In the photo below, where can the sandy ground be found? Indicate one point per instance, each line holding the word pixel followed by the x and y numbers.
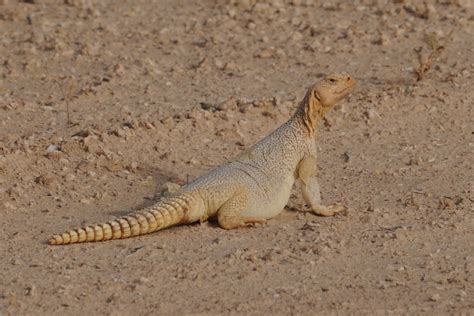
pixel 164 90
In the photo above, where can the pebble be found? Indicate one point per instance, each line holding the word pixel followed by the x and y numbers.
pixel 15 191
pixel 9 206
pixel 54 152
pixel 296 36
pixel 371 114
pixel 70 177
pixel 142 280
pixel 446 203
pixel 52 148
pixel 464 3
pixel 86 200
pixel 266 53
pixel 16 262
pixel 119 69
pixel 170 187
pixel 435 297
pixel 132 167
pixel 383 40
pixel 147 125
pixel 45 180
pixel 347 157
pixel 30 290
pixel 91 174
pixel 219 64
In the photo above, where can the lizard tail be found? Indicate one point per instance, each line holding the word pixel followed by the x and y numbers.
pixel 163 214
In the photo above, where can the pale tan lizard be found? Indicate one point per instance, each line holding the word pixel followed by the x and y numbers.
pixel 251 188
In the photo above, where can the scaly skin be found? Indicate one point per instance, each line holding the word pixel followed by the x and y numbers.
pixel 252 188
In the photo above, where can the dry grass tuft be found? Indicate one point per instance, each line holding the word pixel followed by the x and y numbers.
pixel 426 62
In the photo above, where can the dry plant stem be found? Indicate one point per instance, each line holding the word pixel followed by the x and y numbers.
pixel 436 49
pixel 425 65
pixel 67 97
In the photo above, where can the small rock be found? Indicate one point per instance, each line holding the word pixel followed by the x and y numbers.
pixel 45 180
pixel 142 280
pixel 266 53
pixel 52 148
pixel 382 284
pixel 251 25
pixel 86 200
pixel 193 161
pixel 54 152
pixel 63 161
pixel 435 297
pixel 9 206
pixel 114 166
pixel 446 203
pixel 146 125
pixel 170 187
pixel 227 105
pixel 70 177
pixel 296 36
pixel 382 40
pixel 464 3
pixel 89 139
pixel 119 69
pixel 91 174
pixel 232 13
pixel 346 156
pixel 15 191
pixel 133 166
pixel 231 67
pixel 16 262
pixel 219 64
pixel 30 290
pixel 119 132
pixel 371 114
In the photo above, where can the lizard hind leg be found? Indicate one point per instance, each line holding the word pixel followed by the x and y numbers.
pixel 229 216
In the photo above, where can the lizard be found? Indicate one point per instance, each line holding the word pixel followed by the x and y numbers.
pixel 249 189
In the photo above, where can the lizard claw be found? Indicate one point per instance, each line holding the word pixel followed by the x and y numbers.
pixel 338 208
pixel 256 222
pixel 329 210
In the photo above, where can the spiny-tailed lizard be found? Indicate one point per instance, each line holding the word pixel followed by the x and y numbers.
pixel 251 188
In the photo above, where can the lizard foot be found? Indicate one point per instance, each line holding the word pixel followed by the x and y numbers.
pixel 236 222
pixel 329 210
pixel 254 221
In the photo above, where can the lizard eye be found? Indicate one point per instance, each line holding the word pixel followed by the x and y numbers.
pixel 332 80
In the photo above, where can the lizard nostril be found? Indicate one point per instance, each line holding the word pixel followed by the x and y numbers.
pixel 349 78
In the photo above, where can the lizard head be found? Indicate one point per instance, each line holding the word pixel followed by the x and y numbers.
pixel 332 89
pixel 322 96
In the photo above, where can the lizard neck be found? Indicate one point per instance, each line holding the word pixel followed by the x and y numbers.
pixel 308 115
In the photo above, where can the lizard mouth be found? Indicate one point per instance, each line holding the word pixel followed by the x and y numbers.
pixel 345 90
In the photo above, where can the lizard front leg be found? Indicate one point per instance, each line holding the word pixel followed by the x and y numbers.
pixel 229 216
pixel 310 188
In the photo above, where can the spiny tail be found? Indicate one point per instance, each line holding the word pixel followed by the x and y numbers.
pixel 163 214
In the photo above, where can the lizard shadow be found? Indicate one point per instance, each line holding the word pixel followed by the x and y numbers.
pixel 159 178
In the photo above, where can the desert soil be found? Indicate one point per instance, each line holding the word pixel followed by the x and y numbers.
pixel 104 102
